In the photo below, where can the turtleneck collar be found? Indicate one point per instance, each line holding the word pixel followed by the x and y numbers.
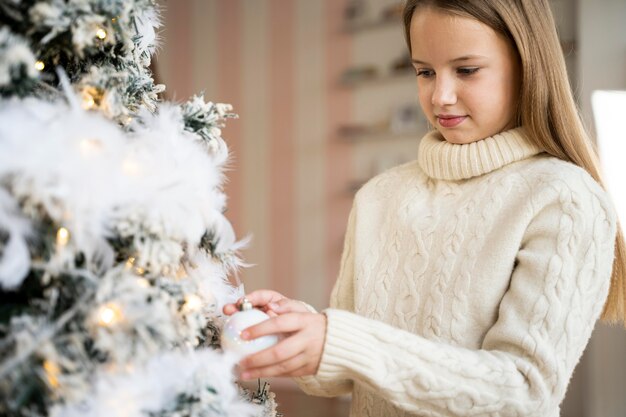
pixel 443 160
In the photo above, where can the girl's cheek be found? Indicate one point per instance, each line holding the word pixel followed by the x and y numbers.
pixel 424 98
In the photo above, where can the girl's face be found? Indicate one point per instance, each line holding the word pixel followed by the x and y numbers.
pixel 467 75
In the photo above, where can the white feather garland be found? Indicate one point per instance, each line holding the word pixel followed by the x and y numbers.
pixel 14 54
pixel 153 386
pixel 14 256
pixel 90 177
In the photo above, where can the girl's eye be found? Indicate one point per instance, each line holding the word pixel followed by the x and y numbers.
pixel 468 71
pixel 425 73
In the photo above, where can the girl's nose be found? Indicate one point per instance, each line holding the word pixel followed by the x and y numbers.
pixel 444 93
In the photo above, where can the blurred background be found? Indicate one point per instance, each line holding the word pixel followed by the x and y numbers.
pixel 326 100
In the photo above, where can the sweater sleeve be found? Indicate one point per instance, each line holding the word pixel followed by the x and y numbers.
pixel 342 297
pixel 556 293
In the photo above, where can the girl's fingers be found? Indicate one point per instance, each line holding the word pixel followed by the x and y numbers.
pixel 261 298
pixel 287 305
pixel 282 351
pixel 229 309
pixel 284 368
pixel 286 323
pixel 306 343
pixel 271 302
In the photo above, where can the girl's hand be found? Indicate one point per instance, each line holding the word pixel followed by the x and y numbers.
pixel 270 302
pixel 297 354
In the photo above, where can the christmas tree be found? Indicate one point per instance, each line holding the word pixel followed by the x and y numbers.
pixel 115 253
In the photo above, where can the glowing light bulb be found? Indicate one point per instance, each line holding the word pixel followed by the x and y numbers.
pixel 143 282
pixel 63 236
pixel 181 273
pixel 130 262
pixel 101 34
pixel 52 373
pixel 131 167
pixel 92 97
pixel 109 314
pixel 39 65
pixel 90 147
pixel 89 103
pixel 192 303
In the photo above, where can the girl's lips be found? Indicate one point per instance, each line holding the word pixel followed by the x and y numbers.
pixel 450 121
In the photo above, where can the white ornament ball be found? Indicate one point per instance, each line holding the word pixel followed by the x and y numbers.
pixel 238 322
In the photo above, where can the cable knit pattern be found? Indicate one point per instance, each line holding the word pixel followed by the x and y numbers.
pixel 470 283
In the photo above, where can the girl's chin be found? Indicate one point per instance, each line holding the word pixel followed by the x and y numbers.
pixel 463 136
pixel 458 138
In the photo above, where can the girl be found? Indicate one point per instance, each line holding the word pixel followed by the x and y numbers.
pixel 471 278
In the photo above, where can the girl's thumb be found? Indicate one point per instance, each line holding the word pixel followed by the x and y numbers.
pixel 274 306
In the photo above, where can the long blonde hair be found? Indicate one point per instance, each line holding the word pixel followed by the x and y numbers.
pixel 547 108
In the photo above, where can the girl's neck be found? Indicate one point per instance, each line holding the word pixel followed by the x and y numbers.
pixel 443 160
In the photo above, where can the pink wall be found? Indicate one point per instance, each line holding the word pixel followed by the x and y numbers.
pixel 277 63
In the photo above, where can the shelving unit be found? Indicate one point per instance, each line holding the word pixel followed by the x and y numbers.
pixel 375 134
pixel 403 76
pixel 379 95
pixel 371 25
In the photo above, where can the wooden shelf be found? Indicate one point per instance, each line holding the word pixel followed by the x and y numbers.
pixel 403 76
pixel 373 134
pixel 372 25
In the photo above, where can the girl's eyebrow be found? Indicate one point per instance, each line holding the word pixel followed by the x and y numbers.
pixel 461 58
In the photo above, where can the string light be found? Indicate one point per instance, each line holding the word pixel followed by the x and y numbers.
pixel 130 262
pixel 143 282
pixel 92 97
pixel 131 167
pixel 63 236
pixel 181 273
pixel 192 302
pixel 109 314
pixel 101 34
pixel 39 65
pixel 89 103
pixel 52 373
pixel 90 146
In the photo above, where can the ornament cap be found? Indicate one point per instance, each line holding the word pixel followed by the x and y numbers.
pixel 245 305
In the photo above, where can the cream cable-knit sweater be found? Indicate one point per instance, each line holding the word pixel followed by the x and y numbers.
pixel 470 283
